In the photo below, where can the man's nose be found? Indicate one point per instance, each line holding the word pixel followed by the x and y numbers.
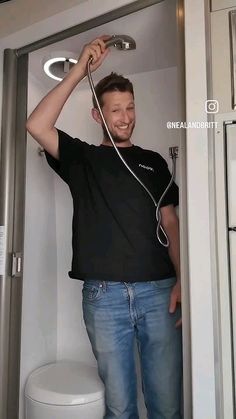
pixel 125 117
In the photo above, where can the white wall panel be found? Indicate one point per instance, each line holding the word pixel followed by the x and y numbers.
pixel 201 262
pixel 39 303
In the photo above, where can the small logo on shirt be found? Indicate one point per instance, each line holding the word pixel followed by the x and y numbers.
pixel 146 167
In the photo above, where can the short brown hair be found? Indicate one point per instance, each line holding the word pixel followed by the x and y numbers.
pixel 111 83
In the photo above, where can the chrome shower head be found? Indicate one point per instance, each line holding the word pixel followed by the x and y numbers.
pixel 122 42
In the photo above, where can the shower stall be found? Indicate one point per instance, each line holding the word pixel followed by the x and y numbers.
pixel 40 306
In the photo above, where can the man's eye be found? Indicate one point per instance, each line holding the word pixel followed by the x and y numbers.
pixel 115 110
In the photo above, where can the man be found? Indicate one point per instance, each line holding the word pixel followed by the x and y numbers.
pixel 131 282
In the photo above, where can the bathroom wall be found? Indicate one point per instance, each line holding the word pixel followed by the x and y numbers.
pixel 61 334
pixel 39 307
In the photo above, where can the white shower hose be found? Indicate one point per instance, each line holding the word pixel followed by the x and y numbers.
pixel 173 156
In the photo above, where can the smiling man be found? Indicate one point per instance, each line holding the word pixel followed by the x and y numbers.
pixel 131 283
pixel 118 109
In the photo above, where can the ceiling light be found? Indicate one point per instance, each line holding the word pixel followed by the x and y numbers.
pixel 57 66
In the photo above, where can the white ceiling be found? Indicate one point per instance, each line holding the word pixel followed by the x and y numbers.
pixel 153 28
pixel 18 14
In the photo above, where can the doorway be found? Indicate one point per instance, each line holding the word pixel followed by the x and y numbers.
pixel 155 73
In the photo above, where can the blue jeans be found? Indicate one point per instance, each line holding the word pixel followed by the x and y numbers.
pixel 117 313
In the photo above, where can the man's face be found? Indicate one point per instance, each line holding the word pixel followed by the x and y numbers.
pixel 119 112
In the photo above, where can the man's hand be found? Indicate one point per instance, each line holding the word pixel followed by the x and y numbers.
pixel 175 298
pixel 95 49
pixel 170 223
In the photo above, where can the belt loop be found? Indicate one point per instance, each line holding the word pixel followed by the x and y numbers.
pixel 104 286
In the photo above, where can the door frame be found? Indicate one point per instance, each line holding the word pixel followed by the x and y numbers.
pixel 13 164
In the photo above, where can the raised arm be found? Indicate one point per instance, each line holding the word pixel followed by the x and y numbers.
pixel 41 122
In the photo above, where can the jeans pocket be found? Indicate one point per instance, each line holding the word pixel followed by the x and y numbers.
pixel 165 283
pixel 92 290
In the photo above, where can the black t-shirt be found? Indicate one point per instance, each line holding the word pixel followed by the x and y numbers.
pixel 114 223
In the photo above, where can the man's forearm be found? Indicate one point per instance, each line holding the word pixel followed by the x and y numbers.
pixel 172 231
pixel 46 113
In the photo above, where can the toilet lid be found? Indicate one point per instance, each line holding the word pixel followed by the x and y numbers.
pixel 65 383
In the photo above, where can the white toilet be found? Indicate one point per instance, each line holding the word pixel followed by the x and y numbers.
pixel 64 390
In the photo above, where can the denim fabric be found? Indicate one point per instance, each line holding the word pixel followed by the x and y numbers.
pixel 117 313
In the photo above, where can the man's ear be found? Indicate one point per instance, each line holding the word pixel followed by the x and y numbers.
pixel 96 115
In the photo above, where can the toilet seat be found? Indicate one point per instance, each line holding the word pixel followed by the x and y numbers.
pixel 65 383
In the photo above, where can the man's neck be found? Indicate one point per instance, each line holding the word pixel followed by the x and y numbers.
pixel 122 144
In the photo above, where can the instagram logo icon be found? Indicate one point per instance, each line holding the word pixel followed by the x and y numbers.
pixel 212 106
